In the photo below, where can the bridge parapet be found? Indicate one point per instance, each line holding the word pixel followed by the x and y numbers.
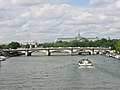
pixel 70 50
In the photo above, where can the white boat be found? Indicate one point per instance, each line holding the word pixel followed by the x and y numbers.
pixel 117 57
pixel 2 58
pixel 85 62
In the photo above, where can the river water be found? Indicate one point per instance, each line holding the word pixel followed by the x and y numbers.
pixel 59 72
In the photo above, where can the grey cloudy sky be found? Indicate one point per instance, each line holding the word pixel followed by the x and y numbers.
pixel 47 20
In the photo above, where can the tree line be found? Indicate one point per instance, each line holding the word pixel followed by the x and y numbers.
pixel 114 44
pixel 13 45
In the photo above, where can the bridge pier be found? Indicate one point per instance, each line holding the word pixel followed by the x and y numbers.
pixel 100 52
pixel 48 52
pixel 30 46
pixel 35 46
pixel 28 53
pixel 92 53
pixel 71 51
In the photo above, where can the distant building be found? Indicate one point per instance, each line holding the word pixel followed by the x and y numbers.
pixel 65 39
pixel 93 39
pixel 78 37
pixel 31 44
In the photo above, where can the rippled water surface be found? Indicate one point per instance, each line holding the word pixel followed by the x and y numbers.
pixel 59 72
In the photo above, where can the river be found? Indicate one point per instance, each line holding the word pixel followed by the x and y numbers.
pixel 59 72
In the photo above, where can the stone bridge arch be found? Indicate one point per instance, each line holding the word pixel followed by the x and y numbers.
pixel 90 51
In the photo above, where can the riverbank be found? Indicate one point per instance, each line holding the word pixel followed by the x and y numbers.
pixel 10 53
pixel 114 55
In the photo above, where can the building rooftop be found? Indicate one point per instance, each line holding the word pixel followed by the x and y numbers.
pixel 78 37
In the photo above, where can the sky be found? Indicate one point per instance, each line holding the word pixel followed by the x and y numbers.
pixel 47 20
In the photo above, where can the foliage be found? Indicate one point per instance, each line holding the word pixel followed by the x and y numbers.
pixel 4 46
pixel 14 45
pixel 76 43
pixel 117 46
pixel 25 46
pixel 114 44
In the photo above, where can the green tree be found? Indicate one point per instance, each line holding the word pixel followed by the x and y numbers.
pixel 4 46
pixel 14 45
pixel 27 46
pixel 1 47
pixel 117 46
pixel 74 43
pixel 103 40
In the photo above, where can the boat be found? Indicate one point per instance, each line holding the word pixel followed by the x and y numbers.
pixel 2 58
pixel 85 62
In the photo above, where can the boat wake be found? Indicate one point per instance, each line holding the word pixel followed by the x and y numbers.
pixel 86 67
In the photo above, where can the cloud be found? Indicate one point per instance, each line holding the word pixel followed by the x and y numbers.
pixel 47 20
pixel 100 2
pixel 36 2
pixel 117 3
pixel 26 2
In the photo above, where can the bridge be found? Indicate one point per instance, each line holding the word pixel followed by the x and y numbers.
pixel 70 50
